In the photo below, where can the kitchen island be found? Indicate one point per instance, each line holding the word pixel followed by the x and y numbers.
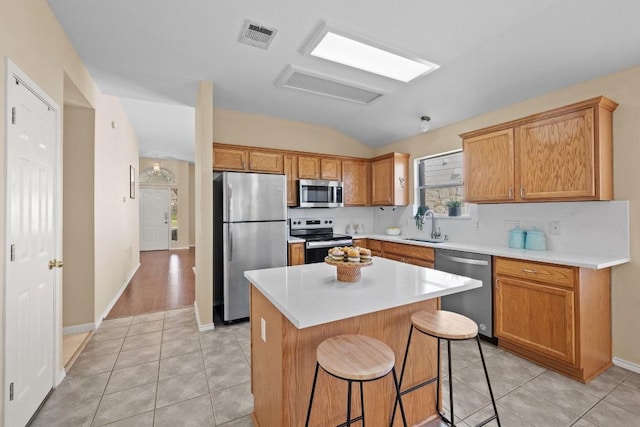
pixel 293 309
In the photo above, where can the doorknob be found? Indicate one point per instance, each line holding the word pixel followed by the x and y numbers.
pixel 55 263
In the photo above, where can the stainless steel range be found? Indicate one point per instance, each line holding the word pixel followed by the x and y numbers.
pixel 319 236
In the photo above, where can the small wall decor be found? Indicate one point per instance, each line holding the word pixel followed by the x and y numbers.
pixel 132 182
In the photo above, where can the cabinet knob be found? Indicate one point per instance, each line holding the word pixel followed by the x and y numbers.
pixel 528 270
pixel 522 192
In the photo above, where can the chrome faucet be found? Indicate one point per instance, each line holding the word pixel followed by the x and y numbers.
pixel 434 234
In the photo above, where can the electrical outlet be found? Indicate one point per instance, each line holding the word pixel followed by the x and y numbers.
pixel 263 329
pixel 477 224
pixel 511 223
pixel 554 228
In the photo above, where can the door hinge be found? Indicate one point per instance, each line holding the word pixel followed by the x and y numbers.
pixel 11 392
pixel 13 115
pixel 13 252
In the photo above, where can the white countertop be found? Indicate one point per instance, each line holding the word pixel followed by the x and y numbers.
pixel 310 294
pixel 553 257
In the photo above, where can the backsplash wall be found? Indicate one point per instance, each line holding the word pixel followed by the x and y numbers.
pixel 585 227
pixel 341 217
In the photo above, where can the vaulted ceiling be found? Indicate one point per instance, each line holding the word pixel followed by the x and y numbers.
pixel 492 53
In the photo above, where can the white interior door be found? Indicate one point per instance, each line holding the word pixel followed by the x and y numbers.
pixel 155 218
pixel 32 233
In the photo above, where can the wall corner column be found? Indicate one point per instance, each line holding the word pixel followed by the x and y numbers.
pixel 204 204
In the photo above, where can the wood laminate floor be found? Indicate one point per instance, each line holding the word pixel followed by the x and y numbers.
pixel 164 281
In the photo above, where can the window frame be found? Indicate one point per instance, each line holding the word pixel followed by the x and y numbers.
pixel 417 187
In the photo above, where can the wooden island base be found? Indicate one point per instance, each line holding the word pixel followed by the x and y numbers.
pixel 282 368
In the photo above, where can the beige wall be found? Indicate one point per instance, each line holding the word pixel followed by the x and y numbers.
pixel 33 39
pixel 624 88
pixel 233 127
pixel 181 170
pixel 204 203
pixel 78 291
pixel 117 228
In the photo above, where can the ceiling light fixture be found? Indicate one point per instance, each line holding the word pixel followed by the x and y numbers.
pixel 339 46
pixel 424 123
pixel 156 167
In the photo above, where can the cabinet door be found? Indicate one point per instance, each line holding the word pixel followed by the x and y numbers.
pixel 360 242
pixel 260 161
pixel 296 253
pixel 538 317
pixel 355 179
pixel 557 157
pixel 419 262
pixel 331 169
pixel 291 171
pixel 489 167
pixel 308 167
pixel 226 159
pixel 382 182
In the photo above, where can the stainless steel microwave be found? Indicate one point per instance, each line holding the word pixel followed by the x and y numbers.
pixel 316 193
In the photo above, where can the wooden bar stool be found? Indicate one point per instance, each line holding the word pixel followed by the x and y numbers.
pixel 445 325
pixel 355 358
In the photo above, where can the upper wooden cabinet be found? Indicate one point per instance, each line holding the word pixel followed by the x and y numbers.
pixel 562 154
pixel 236 158
pixel 488 167
pixel 229 158
pixel 355 177
pixel 389 180
pixel 308 167
pixel 260 161
pixel 291 171
pixel 331 168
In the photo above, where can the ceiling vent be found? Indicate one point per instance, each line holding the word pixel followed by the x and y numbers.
pixel 308 82
pixel 256 35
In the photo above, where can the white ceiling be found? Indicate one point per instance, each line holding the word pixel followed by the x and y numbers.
pixel 492 53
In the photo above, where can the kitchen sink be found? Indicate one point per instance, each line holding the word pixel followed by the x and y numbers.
pixel 426 240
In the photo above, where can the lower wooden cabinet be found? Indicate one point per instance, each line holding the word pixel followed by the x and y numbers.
pixel 363 243
pixel 557 316
pixel 411 254
pixel 296 253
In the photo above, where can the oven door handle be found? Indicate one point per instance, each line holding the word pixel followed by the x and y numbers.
pixel 329 244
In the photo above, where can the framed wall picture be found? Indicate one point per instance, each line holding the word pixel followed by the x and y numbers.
pixel 132 182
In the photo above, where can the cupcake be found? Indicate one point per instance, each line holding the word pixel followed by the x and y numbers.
pixel 353 255
pixel 337 254
pixel 365 255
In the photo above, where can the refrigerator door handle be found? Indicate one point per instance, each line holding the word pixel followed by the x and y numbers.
pixel 230 240
pixel 229 200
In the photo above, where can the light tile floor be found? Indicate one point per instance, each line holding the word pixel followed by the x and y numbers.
pixel 158 370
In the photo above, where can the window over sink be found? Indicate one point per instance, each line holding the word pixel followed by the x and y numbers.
pixel 439 180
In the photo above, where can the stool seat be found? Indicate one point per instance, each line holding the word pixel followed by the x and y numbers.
pixel 355 357
pixel 445 324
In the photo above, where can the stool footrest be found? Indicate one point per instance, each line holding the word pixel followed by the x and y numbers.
pixel 417 386
pixel 352 420
pixel 487 421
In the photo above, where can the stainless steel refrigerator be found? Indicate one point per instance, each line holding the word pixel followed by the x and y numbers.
pixel 250 233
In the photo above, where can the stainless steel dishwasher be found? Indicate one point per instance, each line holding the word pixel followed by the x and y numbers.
pixel 476 304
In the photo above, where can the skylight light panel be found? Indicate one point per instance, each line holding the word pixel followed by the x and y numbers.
pixel 366 56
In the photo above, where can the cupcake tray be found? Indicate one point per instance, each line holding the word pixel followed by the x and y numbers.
pixel 348 271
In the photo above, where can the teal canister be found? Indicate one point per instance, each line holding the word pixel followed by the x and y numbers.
pixel 517 238
pixel 535 240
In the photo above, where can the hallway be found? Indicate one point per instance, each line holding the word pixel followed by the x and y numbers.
pixel 164 281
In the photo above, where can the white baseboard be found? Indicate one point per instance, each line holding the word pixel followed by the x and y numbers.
pixel 76 329
pixel 59 377
pixel 626 365
pixel 179 248
pixel 202 327
pixel 113 302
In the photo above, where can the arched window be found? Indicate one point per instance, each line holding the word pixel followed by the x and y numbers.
pixel 161 176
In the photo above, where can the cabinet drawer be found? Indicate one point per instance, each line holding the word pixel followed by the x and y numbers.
pixel 408 251
pixel 547 273
pixel 375 245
